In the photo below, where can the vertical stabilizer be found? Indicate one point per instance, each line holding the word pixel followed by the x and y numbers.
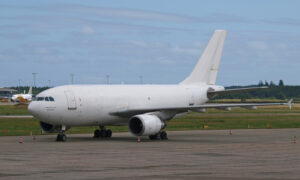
pixel 30 90
pixel 206 69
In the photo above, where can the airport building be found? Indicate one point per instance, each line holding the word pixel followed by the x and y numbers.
pixel 6 93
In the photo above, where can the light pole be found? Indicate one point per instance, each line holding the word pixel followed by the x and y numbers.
pixel 49 81
pixel 34 78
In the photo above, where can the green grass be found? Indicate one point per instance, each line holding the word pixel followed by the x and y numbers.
pixel 19 109
pixel 247 101
pixel 20 126
pixel 234 121
pixel 265 117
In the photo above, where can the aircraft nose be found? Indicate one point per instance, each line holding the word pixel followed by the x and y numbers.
pixel 33 108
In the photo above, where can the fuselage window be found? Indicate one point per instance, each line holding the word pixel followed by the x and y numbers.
pixel 40 99
pixel 47 98
pixel 51 98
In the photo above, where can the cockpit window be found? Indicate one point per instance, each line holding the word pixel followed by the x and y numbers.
pixel 40 99
pixel 48 98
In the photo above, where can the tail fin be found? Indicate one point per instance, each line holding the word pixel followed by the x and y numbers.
pixel 30 90
pixel 206 69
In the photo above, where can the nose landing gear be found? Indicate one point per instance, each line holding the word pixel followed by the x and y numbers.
pixel 62 136
pixel 102 133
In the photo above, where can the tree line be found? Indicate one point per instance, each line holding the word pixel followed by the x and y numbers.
pixel 279 91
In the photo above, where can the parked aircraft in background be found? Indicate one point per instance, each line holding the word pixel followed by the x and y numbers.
pixel 23 97
pixel 144 108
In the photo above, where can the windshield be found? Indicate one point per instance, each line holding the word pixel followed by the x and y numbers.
pixel 48 98
pixel 40 99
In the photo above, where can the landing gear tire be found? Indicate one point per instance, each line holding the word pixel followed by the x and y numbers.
pixel 153 137
pixel 163 135
pixel 108 133
pixel 159 136
pixel 97 133
pixel 103 133
pixel 61 137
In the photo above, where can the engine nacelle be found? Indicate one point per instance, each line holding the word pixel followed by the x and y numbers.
pixel 49 128
pixel 145 125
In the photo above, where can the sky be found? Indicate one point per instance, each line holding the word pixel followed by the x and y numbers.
pixel 158 40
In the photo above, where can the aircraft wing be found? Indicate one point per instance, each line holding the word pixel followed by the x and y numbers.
pixel 132 112
pixel 211 93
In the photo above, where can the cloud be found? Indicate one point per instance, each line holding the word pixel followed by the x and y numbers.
pixel 93 39
pixel 145 15
pixel 42 25
pixel 186 50
pixel 131 14
pixel 261 48
pixel 259 45
pixel 88 30
pixel 283 21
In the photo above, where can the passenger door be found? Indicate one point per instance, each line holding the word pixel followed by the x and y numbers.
pixel 71 101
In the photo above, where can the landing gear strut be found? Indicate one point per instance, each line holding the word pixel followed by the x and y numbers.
pixel 102 133
pixel 62 136
pixel 159 136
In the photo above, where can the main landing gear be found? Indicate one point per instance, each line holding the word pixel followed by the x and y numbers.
pixel 62 136
pixel 103 133
pixel 159 136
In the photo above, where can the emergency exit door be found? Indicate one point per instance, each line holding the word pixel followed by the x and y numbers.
pixel 191 96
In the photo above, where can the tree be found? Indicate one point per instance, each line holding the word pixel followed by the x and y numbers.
pixel 266 83
pixel 272 84
pixel 260 83
pixel 280 83
pixel 281 96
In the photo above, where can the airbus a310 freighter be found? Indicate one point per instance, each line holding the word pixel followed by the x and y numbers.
pixel 144 108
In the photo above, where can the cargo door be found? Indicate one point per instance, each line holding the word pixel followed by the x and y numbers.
pixel 191 97
pixel 71 101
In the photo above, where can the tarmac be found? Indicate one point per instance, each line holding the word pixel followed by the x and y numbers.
pixel 206 154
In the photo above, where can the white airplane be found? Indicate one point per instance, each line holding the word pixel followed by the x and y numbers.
pixel 23 97
pixel 144 108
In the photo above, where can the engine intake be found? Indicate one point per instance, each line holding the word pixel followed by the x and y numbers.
pixel 145 124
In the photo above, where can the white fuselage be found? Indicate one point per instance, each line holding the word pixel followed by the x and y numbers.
pixel 88 105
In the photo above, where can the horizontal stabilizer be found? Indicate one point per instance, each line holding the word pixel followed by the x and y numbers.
pixel 211 93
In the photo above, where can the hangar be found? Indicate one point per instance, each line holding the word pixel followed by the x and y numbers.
pixel 6 93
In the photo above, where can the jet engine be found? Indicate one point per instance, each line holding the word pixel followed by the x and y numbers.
pixel 145 124
pixel 49 128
